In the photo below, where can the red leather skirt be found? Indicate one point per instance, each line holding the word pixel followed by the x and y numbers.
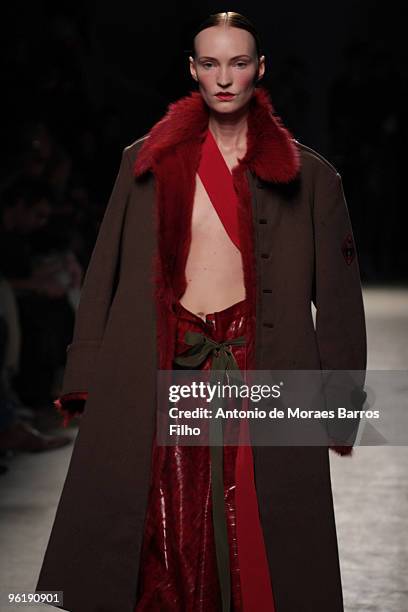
pixel 178 568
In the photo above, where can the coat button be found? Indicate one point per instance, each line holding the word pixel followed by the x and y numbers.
pixel 270 325
pixel 267 290
pixel 263 221
pixel 265 255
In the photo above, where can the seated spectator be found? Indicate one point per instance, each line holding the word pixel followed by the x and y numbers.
pixel 41 279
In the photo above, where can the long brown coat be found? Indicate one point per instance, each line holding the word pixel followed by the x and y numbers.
pixel 297 248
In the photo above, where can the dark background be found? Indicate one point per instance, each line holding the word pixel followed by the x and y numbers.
pixel 81 81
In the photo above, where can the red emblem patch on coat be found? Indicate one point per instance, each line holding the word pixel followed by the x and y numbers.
pixel 348 249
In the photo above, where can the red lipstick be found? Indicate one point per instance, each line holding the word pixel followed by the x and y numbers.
pixel 224 95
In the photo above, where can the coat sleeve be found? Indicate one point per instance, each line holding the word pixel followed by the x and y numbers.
pixel 96 297
pixel 340 318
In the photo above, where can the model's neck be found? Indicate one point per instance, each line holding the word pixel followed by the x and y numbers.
pixel 230 130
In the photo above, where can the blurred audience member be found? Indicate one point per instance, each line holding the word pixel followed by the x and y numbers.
pixel 41 276
pixel 16 434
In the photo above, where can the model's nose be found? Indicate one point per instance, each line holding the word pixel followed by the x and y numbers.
pixel 224 78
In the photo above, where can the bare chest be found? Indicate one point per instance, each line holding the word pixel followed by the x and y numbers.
pixel 214 270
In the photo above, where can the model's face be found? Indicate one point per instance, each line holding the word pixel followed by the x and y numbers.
pixel 226 61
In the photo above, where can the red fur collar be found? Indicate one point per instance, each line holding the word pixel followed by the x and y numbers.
pixel 271 150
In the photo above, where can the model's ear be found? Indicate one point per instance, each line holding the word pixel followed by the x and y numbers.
pixel 261 67
pixel 193 71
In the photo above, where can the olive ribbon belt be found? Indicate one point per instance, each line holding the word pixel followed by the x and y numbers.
pixel 222 360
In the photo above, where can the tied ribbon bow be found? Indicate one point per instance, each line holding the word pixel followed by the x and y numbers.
pixel 202 346
pixel 222 361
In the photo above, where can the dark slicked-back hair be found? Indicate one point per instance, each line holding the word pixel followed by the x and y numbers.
pixel 235 20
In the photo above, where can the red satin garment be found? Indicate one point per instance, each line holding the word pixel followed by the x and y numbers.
pixel 178 571
pixel 217 180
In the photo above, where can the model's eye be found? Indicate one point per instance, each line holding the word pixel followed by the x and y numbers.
pixel 207 64
pixel 242 64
